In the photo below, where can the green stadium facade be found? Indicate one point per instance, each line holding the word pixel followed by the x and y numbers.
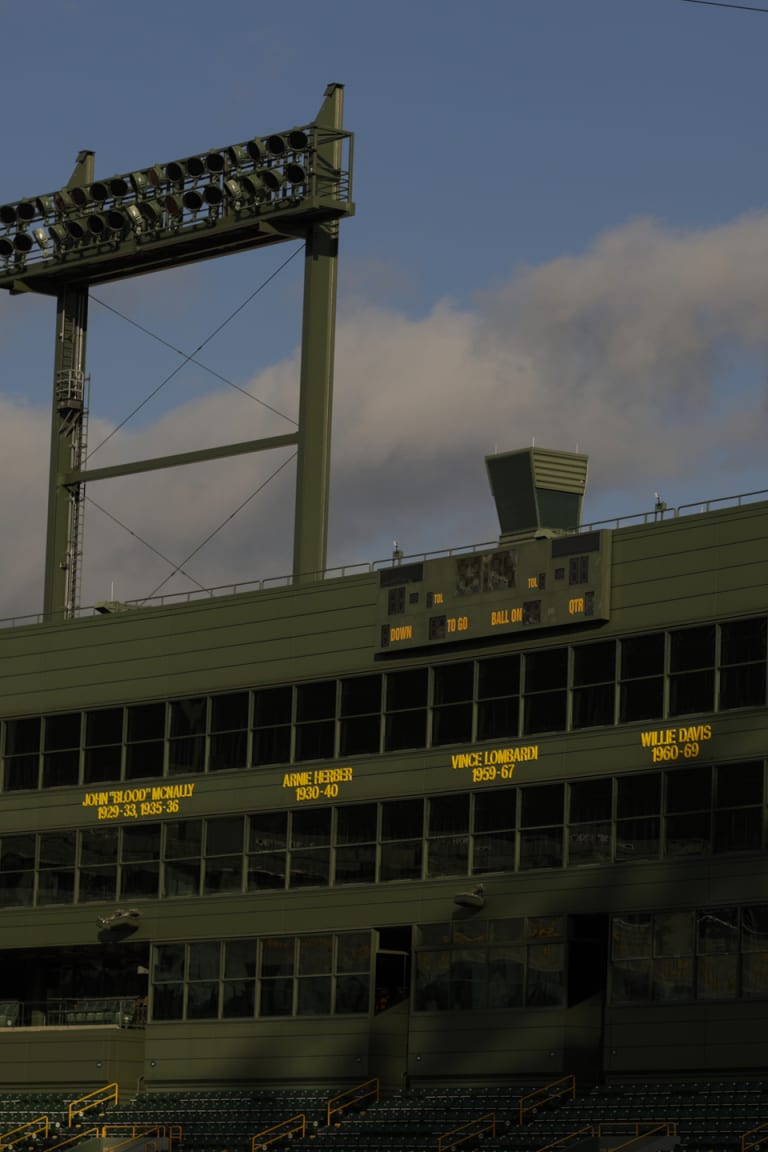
pixel 493 813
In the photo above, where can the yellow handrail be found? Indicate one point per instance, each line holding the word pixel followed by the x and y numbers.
pixel 587 1129
pixel 664 1127
pixel 570 1088
pixel 41 1120
pixel 441 1147
pixel 750 1132
pixel 149 1130
pixel 375 1091
pixel 257 1142
pixel 79 1135
pixel 112 1093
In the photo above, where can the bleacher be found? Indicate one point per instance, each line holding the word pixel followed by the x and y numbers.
pixel 688 1115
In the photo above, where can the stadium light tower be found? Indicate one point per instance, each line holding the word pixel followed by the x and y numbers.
pixel 294 184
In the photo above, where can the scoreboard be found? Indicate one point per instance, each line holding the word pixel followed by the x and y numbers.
pixel 550 582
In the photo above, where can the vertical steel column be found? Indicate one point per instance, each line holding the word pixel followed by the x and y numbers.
pixel 310 540
pixel 61 554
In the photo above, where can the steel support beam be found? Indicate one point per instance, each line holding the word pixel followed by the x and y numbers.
pixel 67 430
pixel 310 540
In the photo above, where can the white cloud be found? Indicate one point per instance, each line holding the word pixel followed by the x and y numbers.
pixel 622 349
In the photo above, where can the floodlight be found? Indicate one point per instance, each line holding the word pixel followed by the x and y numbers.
pixel 213 194
pixel 272 178
pixel 41 236
pixel 25 211
pixel 45 205
pixel 63 200
pixel 256 149
pixel 172 206
pixel 238 155
pixel 277 145
pixel 175 172
pixel 215 162
pixel 139 181
pixel 22 242
pixel 152 212
pixel 298 139
pixel 6 247
pixel 59 235
pixel 155 175
pixel 79 196
pixel 97 224
pixel 193 200
pixel 76 228
pixel 244 188
pixel 295 173
pixel 101 223
pixel 118 187
pixel 98 191
pixel 195 166
pixel 7 214
pixel 134 215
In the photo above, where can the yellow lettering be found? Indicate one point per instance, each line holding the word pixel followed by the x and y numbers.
pixel 576 605
pixel 402 632
pixel 297 779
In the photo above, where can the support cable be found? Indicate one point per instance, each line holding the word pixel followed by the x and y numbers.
pixel 191 359
pixel 188 358
pixel 146 543
pixel 224 522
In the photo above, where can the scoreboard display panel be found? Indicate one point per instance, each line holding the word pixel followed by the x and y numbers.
pixel 517 587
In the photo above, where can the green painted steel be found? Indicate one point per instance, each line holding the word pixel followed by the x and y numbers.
pixel 294 185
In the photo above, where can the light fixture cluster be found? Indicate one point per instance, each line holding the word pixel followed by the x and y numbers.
pixel 241 180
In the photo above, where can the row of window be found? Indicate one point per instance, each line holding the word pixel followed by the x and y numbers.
pixel 317 975
pixel 646 677
pixel 645 816
pixel 487 964
pixel 716 953
pixel 476 964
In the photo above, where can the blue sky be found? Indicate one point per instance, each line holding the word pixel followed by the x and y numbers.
pixel 560 233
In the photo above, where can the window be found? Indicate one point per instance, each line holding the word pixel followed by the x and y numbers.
pixel 310 847
pixel 406 716
pixel 144 751
pixel 448 835
pixel 103 745
pixel 498 710
pixel 642 678
pixel 541 826
pixel 229 732
pixel 402 839
pixel 692 670
pixel 315 723
pixel 452 711
pixel 545 698
pixel 594 684
pixel 272 714
pixel 61 750
pixel 360 715
pixel 742 664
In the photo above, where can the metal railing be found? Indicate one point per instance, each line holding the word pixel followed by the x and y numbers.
pixel 569 1089
pixel 363 568
pixel 487 1122
pixel 108 1094
pixel 25 1131
pixel 353 1095
pixel 746 1145
pixel 92 1011
pixel 279 1130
